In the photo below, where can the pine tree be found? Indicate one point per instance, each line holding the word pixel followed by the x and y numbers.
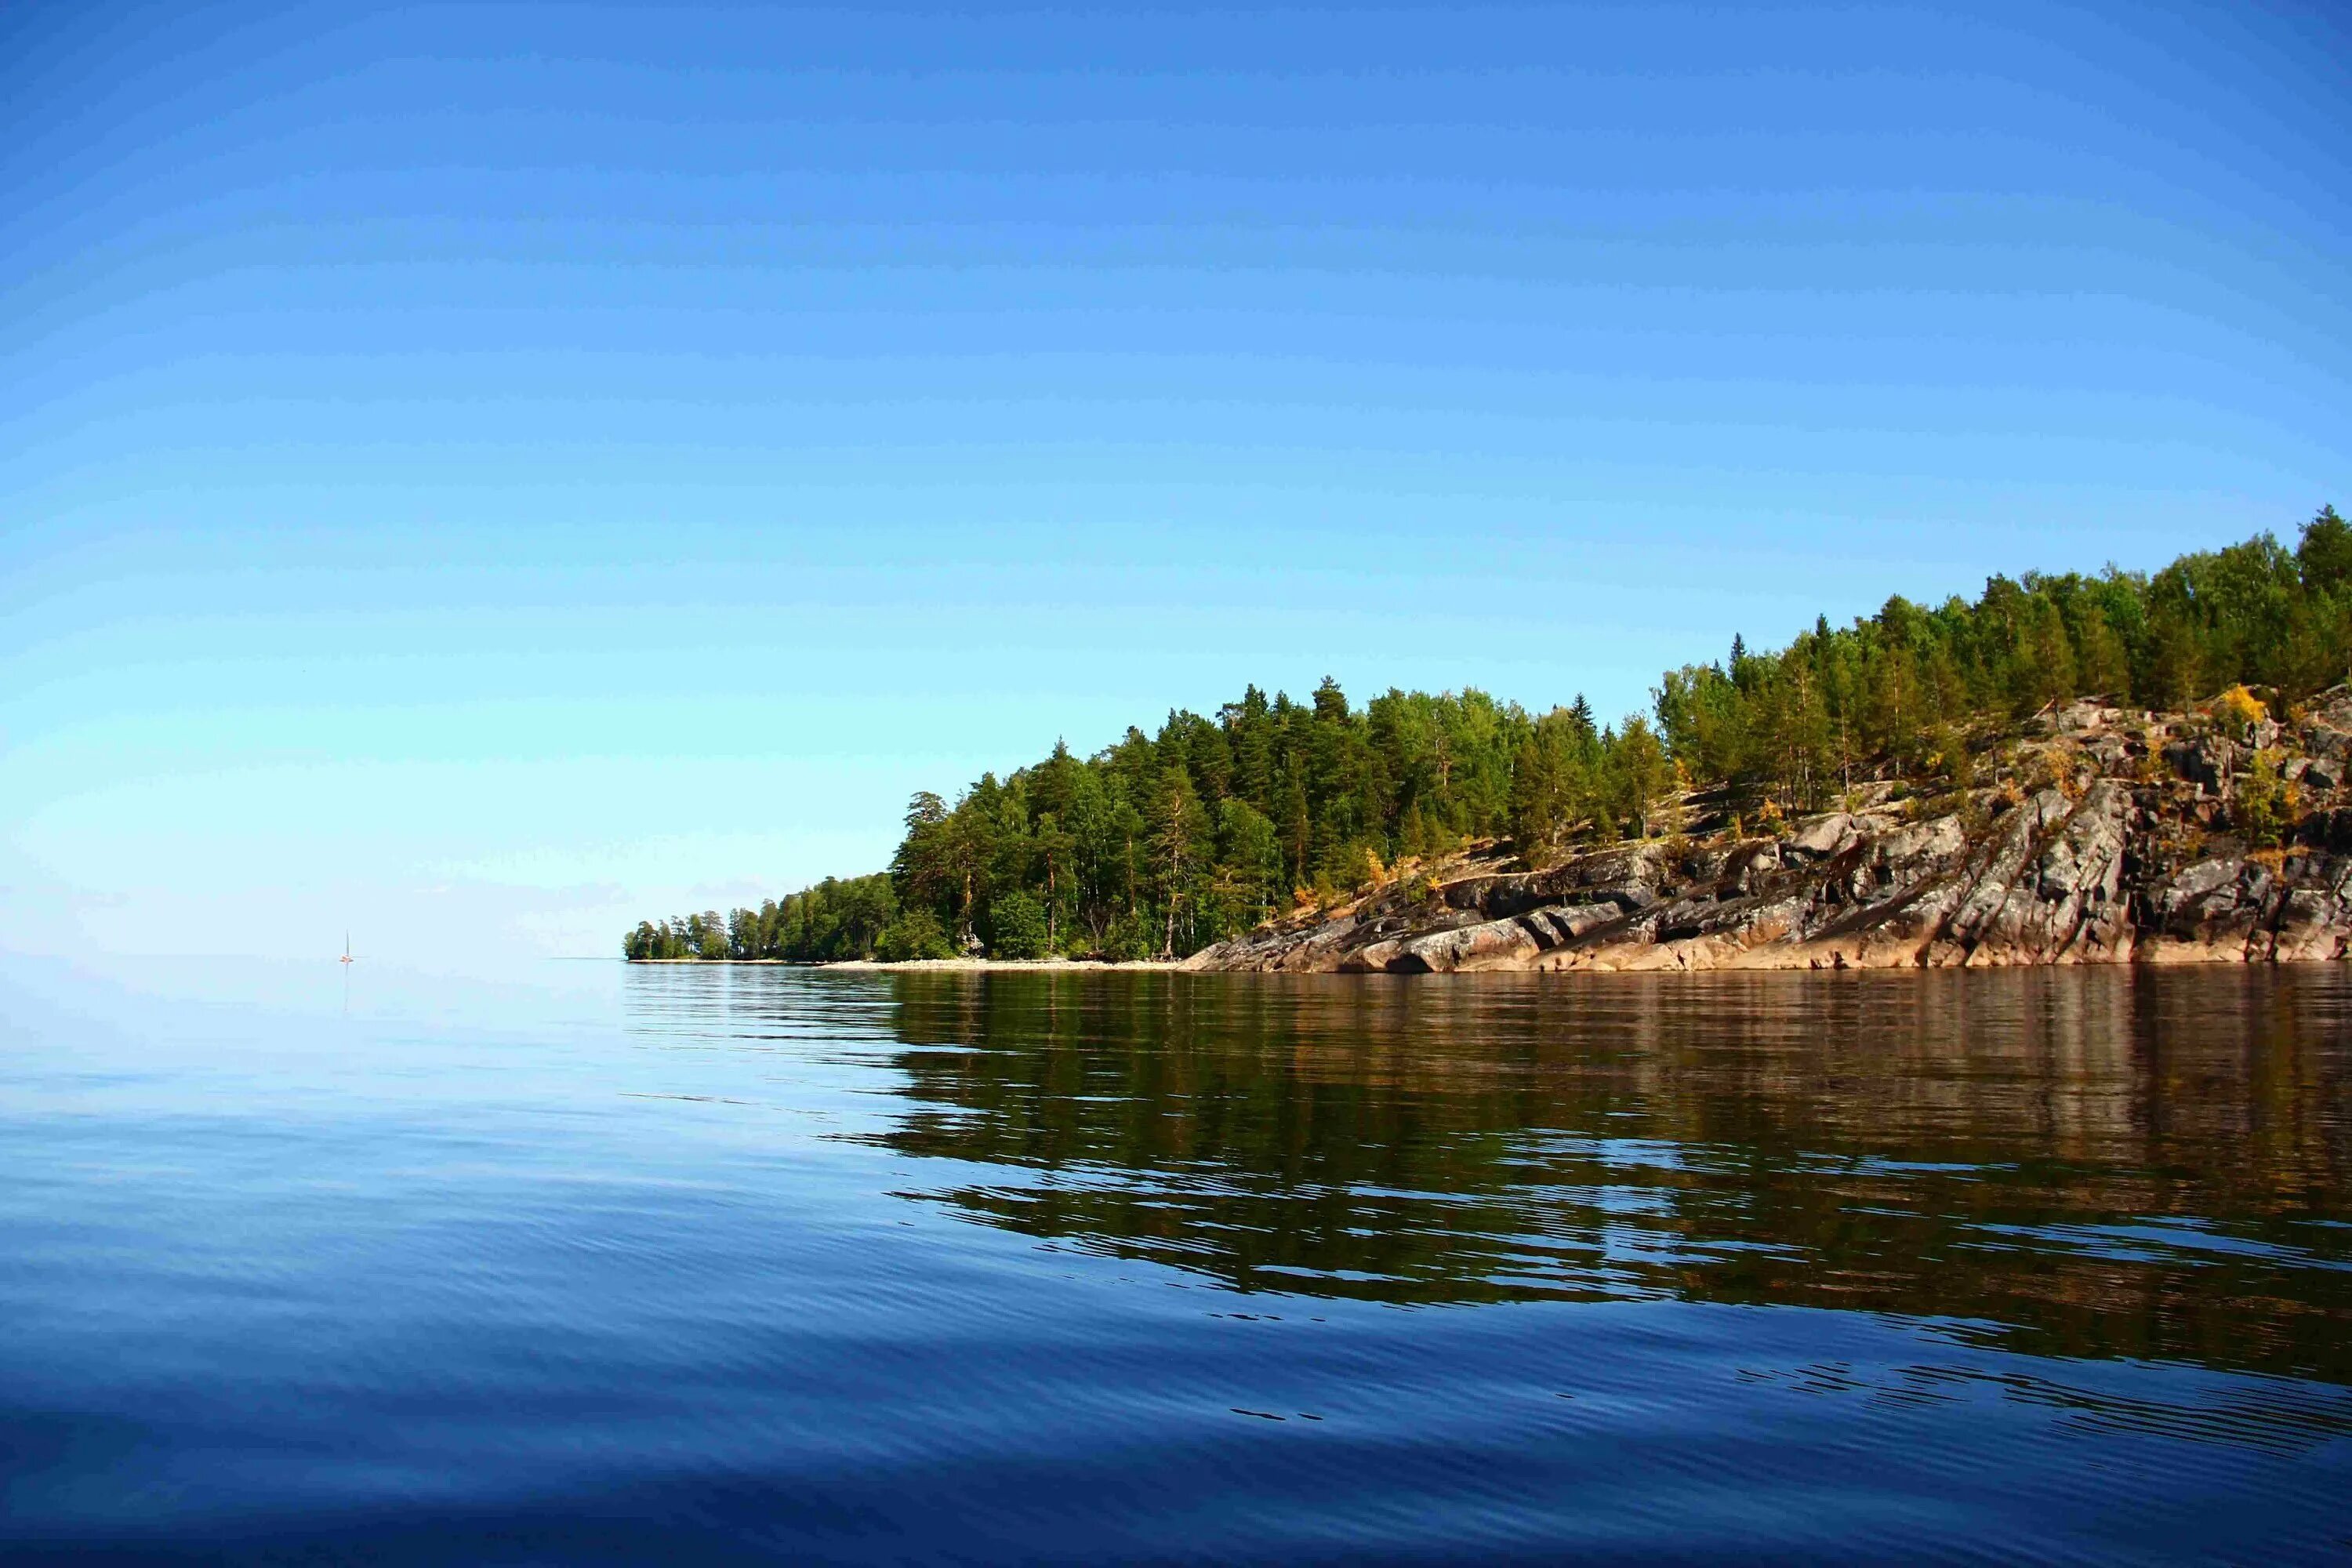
pixel 1179 827
pixel 1534 804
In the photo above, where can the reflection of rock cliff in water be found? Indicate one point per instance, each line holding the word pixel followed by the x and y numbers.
pixel 2105 838
pixel 2094 1162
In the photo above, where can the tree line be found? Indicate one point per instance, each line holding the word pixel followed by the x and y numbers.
pixel 1159 844
pixel 835 919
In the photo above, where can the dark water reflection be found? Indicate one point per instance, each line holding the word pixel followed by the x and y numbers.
pixel 2071 1164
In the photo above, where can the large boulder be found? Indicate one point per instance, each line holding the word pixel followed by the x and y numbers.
pixel 1496 944
pixel 1823 836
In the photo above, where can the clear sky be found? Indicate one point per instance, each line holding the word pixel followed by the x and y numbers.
pixel 478 474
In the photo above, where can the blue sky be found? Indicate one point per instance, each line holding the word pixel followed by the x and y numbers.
pixel 478 474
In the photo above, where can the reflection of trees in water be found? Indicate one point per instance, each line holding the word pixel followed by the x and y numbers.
pixel 2089 1164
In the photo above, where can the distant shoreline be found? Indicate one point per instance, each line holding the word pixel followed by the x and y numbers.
pixel 974 965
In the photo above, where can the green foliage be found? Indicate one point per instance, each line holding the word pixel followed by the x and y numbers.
pixel 915 934
pixel 2324 558
pixel 714 940
pixel 1161 843
pixel 2265 803
pixel 1247 879
pixel 1128 940
pixel 1896 685
pixel 834 919
pixel 1944 756
pixel 1017 927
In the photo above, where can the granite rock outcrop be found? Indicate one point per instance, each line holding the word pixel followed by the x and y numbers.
pixel 2096 836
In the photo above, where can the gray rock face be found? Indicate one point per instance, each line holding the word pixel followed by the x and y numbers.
pixel 1495 944
pixel 1822 837
pixel 2132 860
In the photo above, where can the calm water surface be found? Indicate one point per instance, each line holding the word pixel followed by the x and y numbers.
pixel 671 1265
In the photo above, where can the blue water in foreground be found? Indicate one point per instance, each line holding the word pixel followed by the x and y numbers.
pixel 599 1264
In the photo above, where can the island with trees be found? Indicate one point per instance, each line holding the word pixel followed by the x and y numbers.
pixel 2070 767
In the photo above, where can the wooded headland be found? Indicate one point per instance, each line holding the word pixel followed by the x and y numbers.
pixel 2214 675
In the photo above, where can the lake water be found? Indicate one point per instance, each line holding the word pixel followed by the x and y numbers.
pixel 601 1264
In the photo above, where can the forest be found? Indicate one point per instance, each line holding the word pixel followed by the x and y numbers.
pixel 1159 844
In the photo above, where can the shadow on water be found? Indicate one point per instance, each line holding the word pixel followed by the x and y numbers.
pixel 2075 1164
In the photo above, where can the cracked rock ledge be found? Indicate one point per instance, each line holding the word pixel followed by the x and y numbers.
pixel 2102 836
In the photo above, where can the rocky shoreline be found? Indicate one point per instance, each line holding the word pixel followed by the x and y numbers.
pixel 951 965
pixel 2097 836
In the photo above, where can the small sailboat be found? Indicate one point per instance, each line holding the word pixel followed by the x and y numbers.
pixel 347 948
